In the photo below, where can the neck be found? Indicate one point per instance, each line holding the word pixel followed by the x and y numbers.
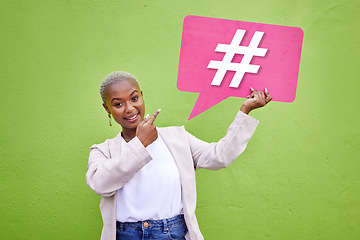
pixel 128 135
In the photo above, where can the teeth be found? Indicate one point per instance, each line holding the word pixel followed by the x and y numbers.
pixel 132 117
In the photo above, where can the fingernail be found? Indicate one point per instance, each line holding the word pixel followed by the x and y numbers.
pixel 251 88
pixel 147 116
pixel 266 89
pixel 159 110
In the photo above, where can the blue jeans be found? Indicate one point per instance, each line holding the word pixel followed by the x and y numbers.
pixel 170 228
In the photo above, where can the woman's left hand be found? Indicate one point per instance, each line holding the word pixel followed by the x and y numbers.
pixel 255 100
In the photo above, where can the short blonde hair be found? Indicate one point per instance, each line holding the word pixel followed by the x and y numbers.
pixel 115 77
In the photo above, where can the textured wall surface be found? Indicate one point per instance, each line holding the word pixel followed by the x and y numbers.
pixel 298 179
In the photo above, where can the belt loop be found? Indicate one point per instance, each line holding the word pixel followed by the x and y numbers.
pixel 121 226
pixel 165 226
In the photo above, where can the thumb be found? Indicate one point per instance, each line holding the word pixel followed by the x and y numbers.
pixel 268 97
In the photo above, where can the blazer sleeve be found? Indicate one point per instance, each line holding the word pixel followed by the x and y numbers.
pixel 107 173
pixel 219 155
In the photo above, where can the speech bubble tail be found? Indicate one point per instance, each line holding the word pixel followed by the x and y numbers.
pixel 204 102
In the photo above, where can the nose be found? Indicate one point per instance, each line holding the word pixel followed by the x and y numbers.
pixel 129 107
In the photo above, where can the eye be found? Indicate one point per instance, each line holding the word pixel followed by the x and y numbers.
pixel 118 104
pixel 135 98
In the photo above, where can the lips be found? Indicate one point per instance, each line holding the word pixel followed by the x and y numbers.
pixel 132 118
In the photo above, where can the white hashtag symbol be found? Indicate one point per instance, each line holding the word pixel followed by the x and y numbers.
pixel 230 51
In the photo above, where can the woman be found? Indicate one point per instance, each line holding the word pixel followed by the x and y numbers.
pixel 146 175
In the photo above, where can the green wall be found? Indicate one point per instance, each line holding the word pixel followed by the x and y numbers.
pixel 298 179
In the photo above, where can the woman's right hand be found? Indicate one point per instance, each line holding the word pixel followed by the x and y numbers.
pixel 146 130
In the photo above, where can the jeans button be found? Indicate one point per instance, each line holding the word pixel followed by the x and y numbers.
pixel 146 224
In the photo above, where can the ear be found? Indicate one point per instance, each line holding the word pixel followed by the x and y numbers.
pixel 106 108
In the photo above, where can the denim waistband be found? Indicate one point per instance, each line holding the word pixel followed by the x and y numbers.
pixel 163 223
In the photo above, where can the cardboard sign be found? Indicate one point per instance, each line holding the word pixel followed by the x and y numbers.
pixel 221 58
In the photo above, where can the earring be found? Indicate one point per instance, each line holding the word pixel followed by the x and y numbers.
pixel 110 123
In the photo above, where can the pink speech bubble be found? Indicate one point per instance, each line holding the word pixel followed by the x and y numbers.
pixel 273 61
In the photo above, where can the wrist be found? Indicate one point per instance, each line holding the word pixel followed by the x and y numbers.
pixel 244 109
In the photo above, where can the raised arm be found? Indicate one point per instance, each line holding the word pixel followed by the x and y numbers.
pixel 219 155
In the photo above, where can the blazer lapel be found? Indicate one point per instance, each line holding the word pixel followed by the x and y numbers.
pixel 175 141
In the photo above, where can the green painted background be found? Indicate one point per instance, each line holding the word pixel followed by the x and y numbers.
pixel 298 179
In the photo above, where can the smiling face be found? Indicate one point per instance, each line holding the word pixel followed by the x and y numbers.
pixel 124 101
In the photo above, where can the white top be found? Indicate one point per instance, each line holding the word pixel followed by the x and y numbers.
pixel 154 192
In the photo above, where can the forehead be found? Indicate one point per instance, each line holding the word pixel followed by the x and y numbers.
pixel 121 88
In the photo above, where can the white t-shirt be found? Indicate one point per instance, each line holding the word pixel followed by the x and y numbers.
pixel 154 192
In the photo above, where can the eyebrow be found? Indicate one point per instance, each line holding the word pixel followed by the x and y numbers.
pixel 120 98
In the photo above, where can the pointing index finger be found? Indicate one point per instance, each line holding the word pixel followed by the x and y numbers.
pixel 153 117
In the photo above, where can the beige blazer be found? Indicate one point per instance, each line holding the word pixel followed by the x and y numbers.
pixel 111 167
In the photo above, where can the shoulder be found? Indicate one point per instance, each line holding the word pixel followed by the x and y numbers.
pixel 105 146
pixel 173 133
pixel 172 130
